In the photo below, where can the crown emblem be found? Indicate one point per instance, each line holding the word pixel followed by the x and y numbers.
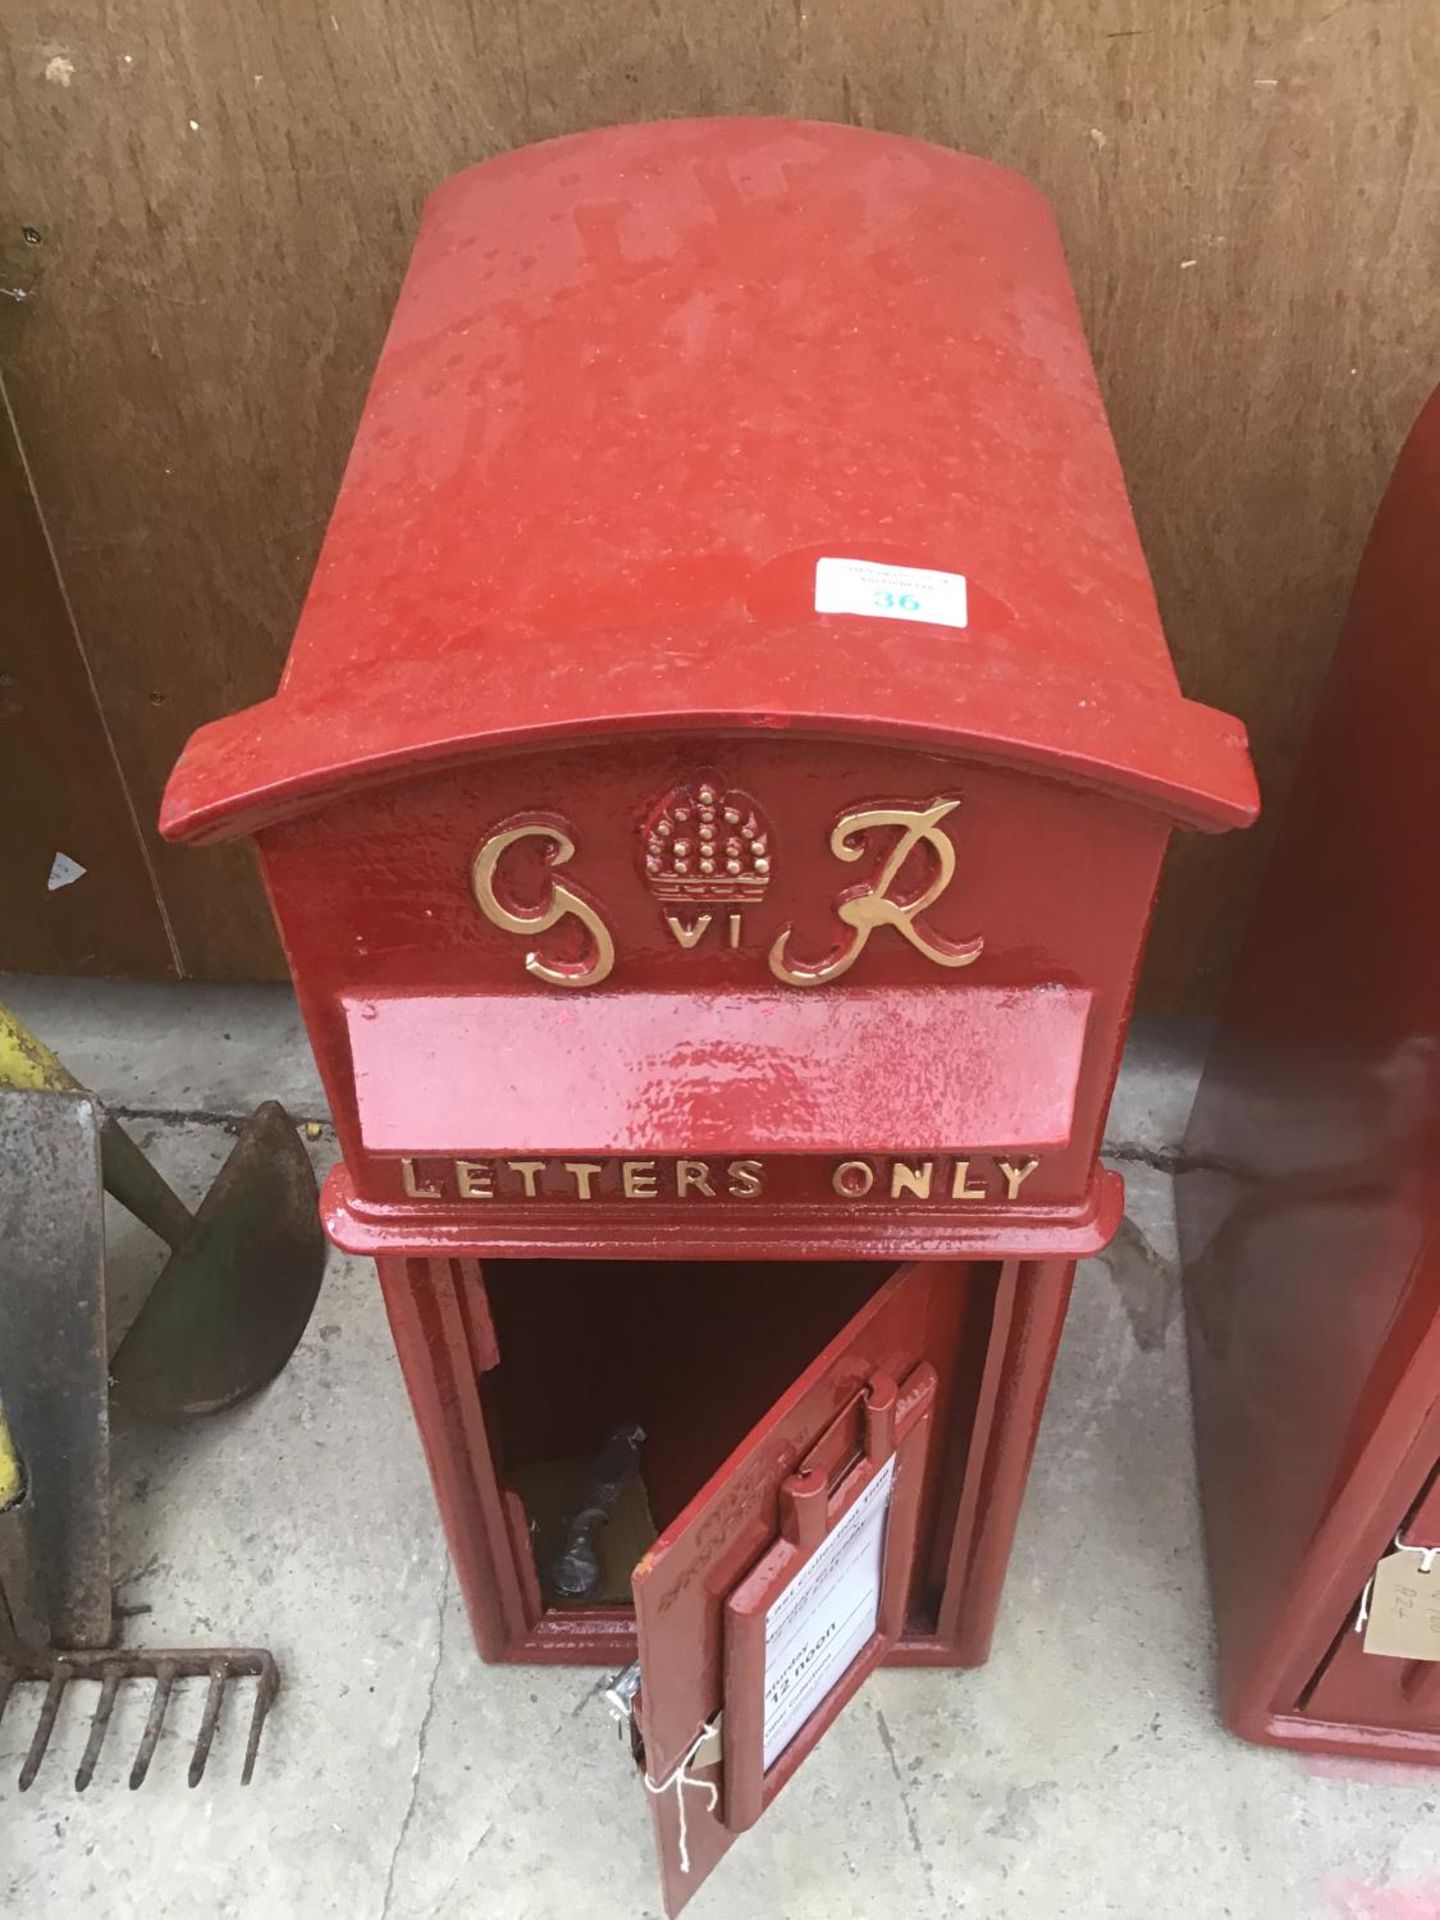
pixel 703 842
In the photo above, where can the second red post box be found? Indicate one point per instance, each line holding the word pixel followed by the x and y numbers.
pixel 1309 1202
pixel 713 809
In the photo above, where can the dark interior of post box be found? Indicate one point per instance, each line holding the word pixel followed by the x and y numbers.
pixel 696 1352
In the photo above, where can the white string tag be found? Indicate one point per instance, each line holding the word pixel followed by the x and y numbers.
pixel 680 1779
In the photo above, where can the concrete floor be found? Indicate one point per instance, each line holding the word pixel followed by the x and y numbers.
pixel 1081 1773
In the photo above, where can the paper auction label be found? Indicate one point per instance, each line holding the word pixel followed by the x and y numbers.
pixel 883 592
pixel 1404 1610
pixel 819 1625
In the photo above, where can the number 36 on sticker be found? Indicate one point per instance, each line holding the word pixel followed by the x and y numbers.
pixel 882 592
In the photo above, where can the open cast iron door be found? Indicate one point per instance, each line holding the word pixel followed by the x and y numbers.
pixel 763 1608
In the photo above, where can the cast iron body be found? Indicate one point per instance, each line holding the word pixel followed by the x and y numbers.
pixel 571 613
pixel 1310 1201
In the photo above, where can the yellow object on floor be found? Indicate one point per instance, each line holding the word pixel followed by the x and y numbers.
pixel 12 1472
pixel 27 1062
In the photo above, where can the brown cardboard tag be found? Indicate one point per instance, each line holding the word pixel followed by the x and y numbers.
pixel 1404 1616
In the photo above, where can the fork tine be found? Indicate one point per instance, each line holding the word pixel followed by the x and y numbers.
pixel 45 1725
pixel 112 1668
pixel 266 1689
pixel 99 1722
pixel 160 1699
pixel 209 1721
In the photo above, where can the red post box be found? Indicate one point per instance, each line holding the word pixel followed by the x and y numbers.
pixel 1310 1202
pixel 713 808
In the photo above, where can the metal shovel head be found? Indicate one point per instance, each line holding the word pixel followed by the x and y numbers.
pixel 234 1298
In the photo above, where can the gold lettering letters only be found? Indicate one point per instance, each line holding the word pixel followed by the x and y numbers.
pixel 638 1179
pixel 474 1180
pixel 853 1179
pixel 413 1188
pixel 866 908
pixel 1015 1177
pixel 935 1178
pixel 563 901
pixel 960 1187
pixel 914 1180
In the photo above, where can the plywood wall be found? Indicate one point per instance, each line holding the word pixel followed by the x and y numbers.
pixel 221 200
pixel 77 894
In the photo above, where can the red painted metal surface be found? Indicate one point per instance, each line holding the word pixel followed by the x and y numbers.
pixel 701 1592
pixel 673 1074
pixel 646 910
pixel 1310 1204
pixel 637 382
pixel 673 1355
pixel 374 901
